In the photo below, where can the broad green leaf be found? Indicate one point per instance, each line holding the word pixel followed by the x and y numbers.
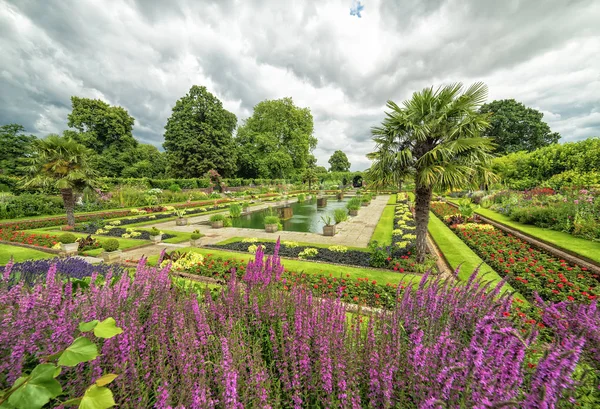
pixel 36 389
pixel 106 379
pixel 88 326
pixel 107 329
pixel 81 350
pixel 97 397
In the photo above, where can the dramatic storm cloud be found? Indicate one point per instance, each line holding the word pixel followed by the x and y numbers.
pixel 145 54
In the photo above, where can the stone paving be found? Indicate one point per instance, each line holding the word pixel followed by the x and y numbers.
pixel 355 232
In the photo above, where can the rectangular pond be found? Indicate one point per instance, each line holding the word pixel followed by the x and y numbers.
pixel 306 218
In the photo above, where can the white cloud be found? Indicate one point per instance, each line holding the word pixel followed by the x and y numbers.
pixel 145 54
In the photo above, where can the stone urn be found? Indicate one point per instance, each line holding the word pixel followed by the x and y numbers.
pixel 271 228
pixel 365 204
pixel 70 248
pixel 112 256
pixel 217 225
pixel 156 239
pixel 329 230
pixel 196 242
pixel 182 221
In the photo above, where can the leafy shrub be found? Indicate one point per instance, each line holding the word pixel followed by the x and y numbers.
pixel 353 204
pixel 379 255
pixel 301 197
pixel 67 238
pixel 174 188
pixel 340 215
pixel 290 244
pixel 110 245
pixel 217 217
pixel 235 210
pixel 195 235
pixel 338 249
pixel 271 219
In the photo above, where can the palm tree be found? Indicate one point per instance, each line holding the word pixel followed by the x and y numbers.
pixel 62 163
pixel 435 136
pixel 386 170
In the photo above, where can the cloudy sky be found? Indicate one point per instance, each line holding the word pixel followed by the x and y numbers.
pixel 145 54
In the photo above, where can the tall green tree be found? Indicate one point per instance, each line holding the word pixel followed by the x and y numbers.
pixel 199 136
pixel 100 125
pixel 61 163
pixel 14 146
pixel 338 162
pixel 277 132
pixel 515 127
pixel 438 140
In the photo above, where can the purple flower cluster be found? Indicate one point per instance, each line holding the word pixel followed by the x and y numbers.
pixel 255 346
pixel 71 267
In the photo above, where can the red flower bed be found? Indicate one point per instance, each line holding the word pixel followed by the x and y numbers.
pixel 530 269
pixel 40 240
pixel 443 209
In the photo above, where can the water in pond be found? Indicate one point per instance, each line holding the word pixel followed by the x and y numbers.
pixel 307 218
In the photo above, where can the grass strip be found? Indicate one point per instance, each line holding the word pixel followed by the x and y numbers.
pixel 309 267
pixel 21 254
pixel 385 226
pixel 392 199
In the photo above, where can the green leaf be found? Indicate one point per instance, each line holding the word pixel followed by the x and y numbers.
pixel 106 379
pixel 72 402
pixel 97 397
pixel 107 329
pixel 88 326
pixel 81 350
pixel 36 389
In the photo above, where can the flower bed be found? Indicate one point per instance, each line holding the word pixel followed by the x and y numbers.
pixel 32 239
pixel 529 269
pixel 31 272
pixel 333 254
pixel 256 346
pixel 403 235
pixel 113 231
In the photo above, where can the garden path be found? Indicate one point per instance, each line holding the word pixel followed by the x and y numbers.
pixel 356 232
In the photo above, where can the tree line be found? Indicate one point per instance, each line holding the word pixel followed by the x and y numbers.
pixel 276 142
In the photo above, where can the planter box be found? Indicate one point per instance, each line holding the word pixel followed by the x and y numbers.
pixel 353 212
pixel 156 239
pixel 196 243
pixel 322 202
pixel 365 204
pixel 217 225
pixel 340 196
pixel 183 221
pixel 111 256
pixel 70 248
pixel 329 230
pixel 271 228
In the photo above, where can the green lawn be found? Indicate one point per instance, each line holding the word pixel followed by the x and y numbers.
pixel 392 199
pixel 123 243
pixel 458 253
pixel 21 254
pixel 383 230
pixel 381 276
pixel 566 241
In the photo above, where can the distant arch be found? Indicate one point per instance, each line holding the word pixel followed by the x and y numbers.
pixel 357 181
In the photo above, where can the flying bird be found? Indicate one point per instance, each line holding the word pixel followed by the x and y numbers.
pixel 356 8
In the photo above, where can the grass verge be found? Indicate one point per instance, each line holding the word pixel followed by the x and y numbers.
pixel 300 243
pixel 385 226
pixel 21 254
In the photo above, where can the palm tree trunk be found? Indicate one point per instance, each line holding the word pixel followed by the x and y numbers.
pixel 69 202
pixel 422 200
